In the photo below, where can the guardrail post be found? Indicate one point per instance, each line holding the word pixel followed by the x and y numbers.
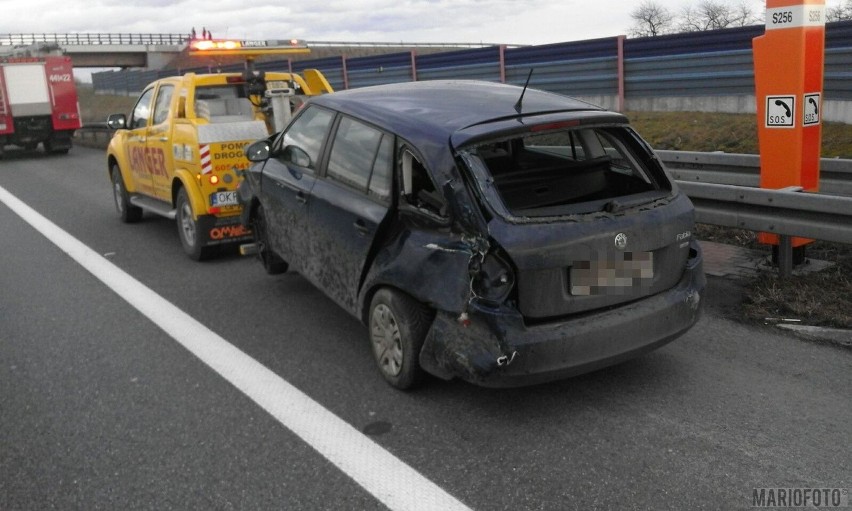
pixel 785 256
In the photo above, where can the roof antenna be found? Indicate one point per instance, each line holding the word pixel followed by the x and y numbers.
pixel 521 99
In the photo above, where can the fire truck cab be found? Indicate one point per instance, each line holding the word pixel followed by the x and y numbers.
pixel 179 153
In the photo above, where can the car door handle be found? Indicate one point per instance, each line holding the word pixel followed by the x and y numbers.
pixel 164 139
pixel 361 227
pixel 301 197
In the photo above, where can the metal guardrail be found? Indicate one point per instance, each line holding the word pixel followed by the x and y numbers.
pixel 789 212
pixel 94 39
pixel 744 170
pixel 179 39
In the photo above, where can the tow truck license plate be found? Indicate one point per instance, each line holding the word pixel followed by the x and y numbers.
pixel 224 199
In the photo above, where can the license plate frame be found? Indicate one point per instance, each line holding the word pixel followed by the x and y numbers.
pixel 222 199
pixel 618 274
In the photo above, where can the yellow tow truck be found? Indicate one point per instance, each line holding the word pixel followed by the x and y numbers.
pixel 180 151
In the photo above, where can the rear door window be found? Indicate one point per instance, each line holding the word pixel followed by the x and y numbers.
pixel 568 171
pixel 361 158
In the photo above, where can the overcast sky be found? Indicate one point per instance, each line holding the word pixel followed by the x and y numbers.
pixel 457 21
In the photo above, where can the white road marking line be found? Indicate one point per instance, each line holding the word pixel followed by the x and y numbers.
pixel 388 479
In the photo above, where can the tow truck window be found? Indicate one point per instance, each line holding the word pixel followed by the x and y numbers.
pixel 139 116
pixel 161 106
pixel 222 103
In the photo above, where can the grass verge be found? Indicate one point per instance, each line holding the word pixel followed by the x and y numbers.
pixel 821 298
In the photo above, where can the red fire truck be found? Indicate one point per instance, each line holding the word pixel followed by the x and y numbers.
pixel 38 103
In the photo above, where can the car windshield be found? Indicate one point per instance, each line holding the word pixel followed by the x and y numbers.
pixel 567 172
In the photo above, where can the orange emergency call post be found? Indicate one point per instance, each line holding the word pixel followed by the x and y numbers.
pixel 788 72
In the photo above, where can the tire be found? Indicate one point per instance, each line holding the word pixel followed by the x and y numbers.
pixel 398 326
pixel 188 231
pixel 50 148
pixel 126 211
pixel 272 262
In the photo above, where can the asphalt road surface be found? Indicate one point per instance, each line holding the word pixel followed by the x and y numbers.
pixel 144 380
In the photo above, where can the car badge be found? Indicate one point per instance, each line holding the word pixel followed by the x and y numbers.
pixel 621 241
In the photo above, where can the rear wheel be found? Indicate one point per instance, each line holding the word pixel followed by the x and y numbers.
pixel 126 211
pixel 398 326
pixel 272 262
pixel 188 231
pixel 54 148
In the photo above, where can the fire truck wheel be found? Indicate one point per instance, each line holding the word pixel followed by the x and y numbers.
pixel 50 147
pixel 188 231
pixel 126 211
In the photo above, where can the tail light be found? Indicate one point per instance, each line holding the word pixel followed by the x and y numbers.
pixel 493 279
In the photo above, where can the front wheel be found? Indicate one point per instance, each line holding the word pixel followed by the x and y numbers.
pixel 126 211
pixel 272 262
pixel 398 326
pixel 188 231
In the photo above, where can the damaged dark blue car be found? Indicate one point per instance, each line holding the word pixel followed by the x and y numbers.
pixel 481 231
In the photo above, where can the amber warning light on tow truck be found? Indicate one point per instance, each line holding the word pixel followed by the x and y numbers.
pixel 246 47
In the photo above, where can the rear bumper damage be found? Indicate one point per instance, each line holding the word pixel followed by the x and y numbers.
pixel 496 348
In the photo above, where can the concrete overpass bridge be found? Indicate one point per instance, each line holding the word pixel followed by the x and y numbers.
pixel 100 50
pixel 155 51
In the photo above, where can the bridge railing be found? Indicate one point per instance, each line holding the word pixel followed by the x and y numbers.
pixel 177 39
pixel 93 39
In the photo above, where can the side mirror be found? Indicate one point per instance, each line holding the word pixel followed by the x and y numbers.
pixel 258 151
pixel 297 156
pixel 117 121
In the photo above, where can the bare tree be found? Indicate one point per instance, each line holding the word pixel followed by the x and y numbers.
pixel 742 15
pixel 715 14
pixel 840 13
pixel 651 19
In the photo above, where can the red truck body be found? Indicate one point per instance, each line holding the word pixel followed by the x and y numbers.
pixel 38 103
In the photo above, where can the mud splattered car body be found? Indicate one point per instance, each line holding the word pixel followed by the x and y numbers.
pixel 523 240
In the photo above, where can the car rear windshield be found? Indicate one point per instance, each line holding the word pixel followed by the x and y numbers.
pixel 222 103
pixel 573 171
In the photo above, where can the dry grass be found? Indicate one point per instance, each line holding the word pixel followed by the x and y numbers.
pixel 96 107
pixel 821 298
pixel 731 133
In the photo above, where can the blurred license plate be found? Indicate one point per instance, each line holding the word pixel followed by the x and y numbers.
pixel 224 199
pixel 618 274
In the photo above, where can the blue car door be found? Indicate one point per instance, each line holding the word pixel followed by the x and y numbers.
pixel 288 179
pixel 347 207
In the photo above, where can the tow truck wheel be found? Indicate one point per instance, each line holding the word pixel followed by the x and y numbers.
pixel 126 211
pixel 272 262
pixel 190 235
pixel 398 326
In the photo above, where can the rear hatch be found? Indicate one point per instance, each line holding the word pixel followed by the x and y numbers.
pixel 582 208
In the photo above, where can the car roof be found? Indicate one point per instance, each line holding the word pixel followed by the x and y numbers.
pixel 435 110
